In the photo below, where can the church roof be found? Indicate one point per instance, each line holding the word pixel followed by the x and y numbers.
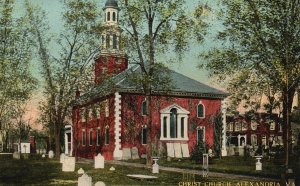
pixel 178 85
pixel 111 3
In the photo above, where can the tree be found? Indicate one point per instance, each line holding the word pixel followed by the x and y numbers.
pixel 261 38
pixel 68 71
pixel 154 27
pixel 16 80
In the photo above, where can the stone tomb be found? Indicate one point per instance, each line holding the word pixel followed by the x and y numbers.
pixel 177 150
pixel 68 164
pixel 62 157
pixel 170 150
pixel 185 150
pixel 16 155
pixel 135 153
pixel 99 162
pixel 85 180
pixel 126 154
pixel 51 154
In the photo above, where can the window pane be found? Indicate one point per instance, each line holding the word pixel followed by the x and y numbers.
pixel 91 138
pixel 173 123
pixel 200 112
pixel 144 136
pixel 144 108
pixel 107 136
pixel 108 16
pixel 98 136
pixel 200 135
pixel 115 41
pixel 83 137
pixel 182 127
pixel 165 127
pixel 114 16
pixel 107 41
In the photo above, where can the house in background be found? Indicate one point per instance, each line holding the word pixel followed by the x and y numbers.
pixel 111 118
pixel 260 130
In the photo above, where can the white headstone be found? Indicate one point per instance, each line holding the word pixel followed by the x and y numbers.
pixel 69 164
pixel 135 153
pixel 80 171
pixel 99 162
pixel 185 150
pixel 258 165
pixel 112 169
pixel 16 155
pixel 177 149
pixel 100 183
pixel 85 180
pixel 25 148
pixel 210 152
pixel 126 154
pixel 43 155
pixel 51 154
pixel 62 157
pixel 170 150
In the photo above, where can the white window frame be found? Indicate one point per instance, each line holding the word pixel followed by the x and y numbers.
pixel 98 132
pixel 200 103
pixel 197 129
pixel 91 136
pixel 181 112
pixel 83 137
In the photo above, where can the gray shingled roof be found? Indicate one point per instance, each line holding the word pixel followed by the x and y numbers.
pixel 180 85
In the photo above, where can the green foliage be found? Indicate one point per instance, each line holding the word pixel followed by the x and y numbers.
pixel 198 151
pixel 218 128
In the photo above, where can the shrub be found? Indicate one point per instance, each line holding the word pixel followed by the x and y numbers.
pixel 198 151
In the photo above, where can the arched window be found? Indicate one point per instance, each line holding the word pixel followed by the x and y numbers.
pixel 98 136
pixel 107 41
pixel 200 110
pixel 173 123
pixel 83 137
pixel 108 16
pixel 144 108
pixel 114 41
pixel 91 137
pixel 114 16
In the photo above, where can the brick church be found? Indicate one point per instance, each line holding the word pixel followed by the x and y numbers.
pixel 111 117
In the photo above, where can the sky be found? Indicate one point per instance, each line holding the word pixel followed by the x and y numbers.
pixel 188 67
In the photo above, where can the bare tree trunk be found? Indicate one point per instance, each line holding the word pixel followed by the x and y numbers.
pixel 57 132
pixel 149 131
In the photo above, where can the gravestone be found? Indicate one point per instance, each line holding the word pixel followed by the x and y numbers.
pixel 135 153
pixel 43 155
pixel 80 171
pixel 100 183
pixel 16 155
pixel 210 152
pixel 185 150
pixel 170 150
pixel 69 164
pixel 144 156
pixel 51 154
pixel 85 180
pixel 25 148
pixel 177 150
pixel 258 164
pixel 62 157
pixel 99 162
pixel 112 169
pixel 126 154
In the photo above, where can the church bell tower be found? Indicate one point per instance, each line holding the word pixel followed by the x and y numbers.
pixel 111 60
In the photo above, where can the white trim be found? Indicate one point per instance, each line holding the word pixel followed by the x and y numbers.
pixel 66 139
pixel 200 128
pixel 181 113
pixel 118 153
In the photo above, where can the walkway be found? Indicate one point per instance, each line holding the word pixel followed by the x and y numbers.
pixel 190 171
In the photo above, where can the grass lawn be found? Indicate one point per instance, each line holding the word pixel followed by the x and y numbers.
pixel 39 171
pixel 230 164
